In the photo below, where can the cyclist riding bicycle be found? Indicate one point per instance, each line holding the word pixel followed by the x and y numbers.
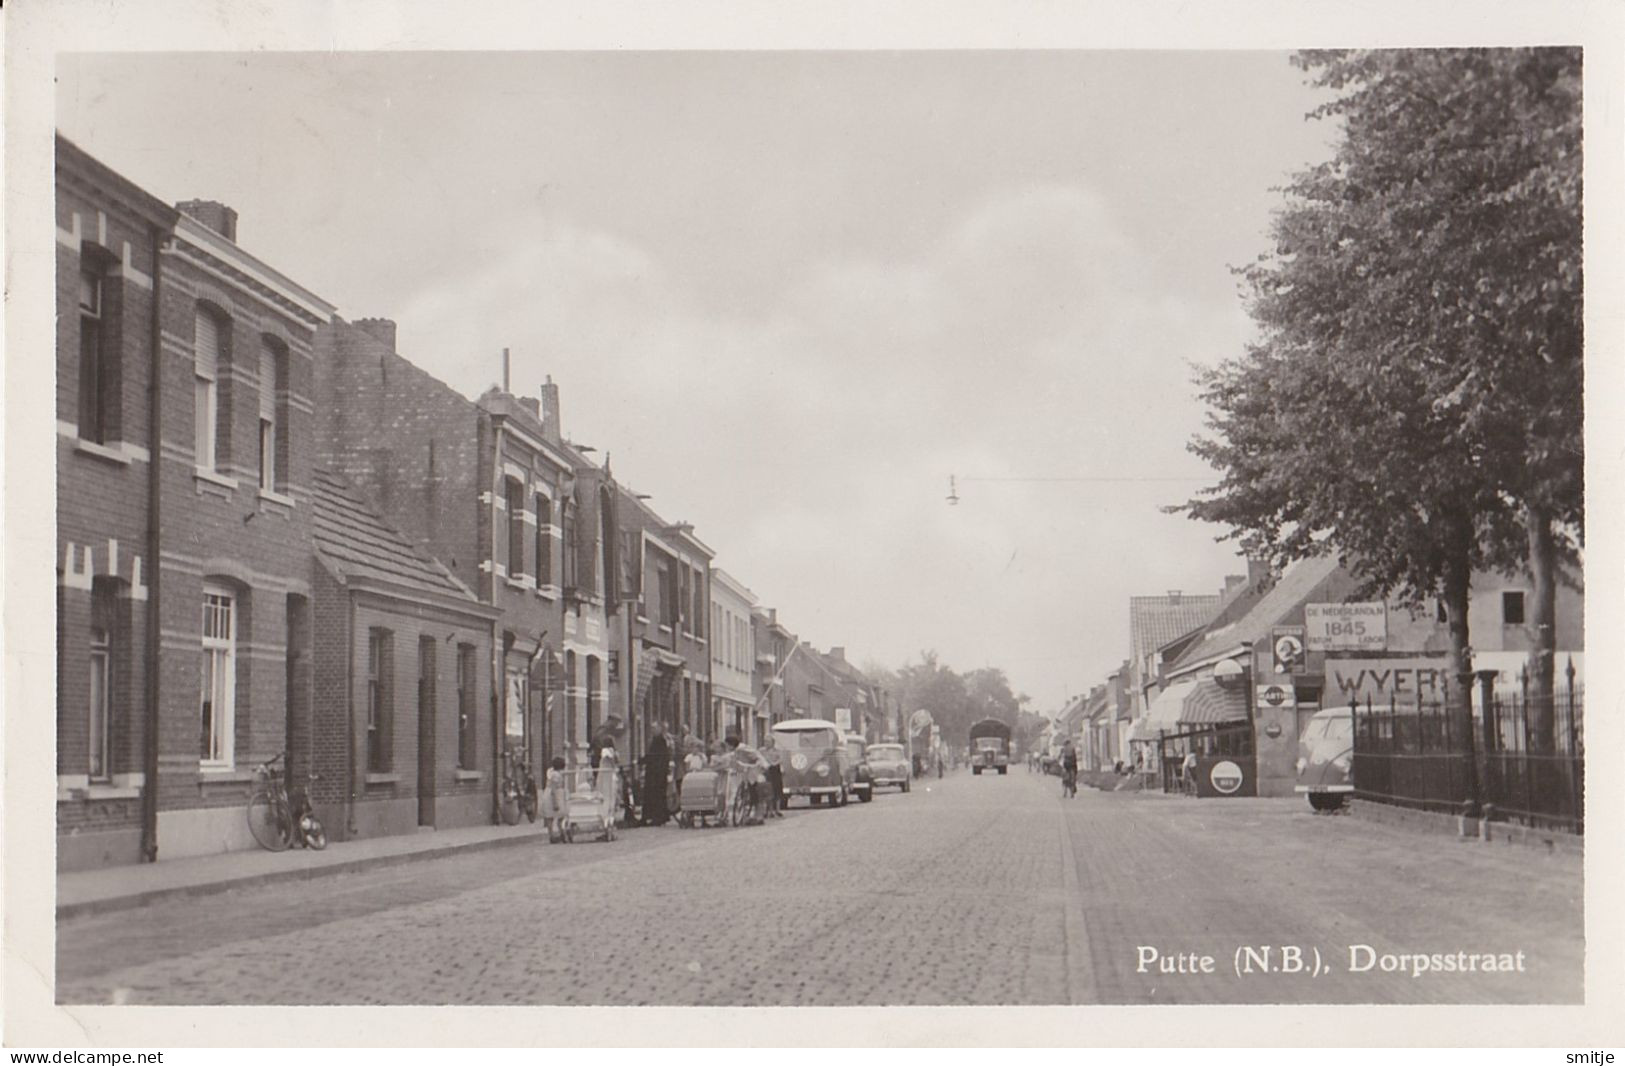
pixel 1069 769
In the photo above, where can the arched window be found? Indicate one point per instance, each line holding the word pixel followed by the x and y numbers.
pixel 218 690
pixel 273 414
pixel 211 429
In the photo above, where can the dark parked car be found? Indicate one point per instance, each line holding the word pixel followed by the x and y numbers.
pixel 888 765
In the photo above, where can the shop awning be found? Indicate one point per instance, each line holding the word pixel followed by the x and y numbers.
pixel 1190 703
pixel 1169 704
pixel 1145 730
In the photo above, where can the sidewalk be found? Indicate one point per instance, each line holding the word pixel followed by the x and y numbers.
pixel 119 887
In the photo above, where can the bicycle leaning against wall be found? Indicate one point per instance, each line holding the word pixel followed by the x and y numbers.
pixel 519 792
pixel 277 819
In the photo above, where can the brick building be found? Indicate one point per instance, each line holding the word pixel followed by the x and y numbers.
pixel 557 506
pixel 108 236
pixel 168 296
pixel 491 491
pixel 733 658
pixel 403 738
pixel 660 632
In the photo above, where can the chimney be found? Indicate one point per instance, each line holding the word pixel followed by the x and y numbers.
pixel 1232 580
pixel 379 329
pixel 550 411
pixel 213 214
pixel 838 652
pixel 531 404
pixel 1173 595
pixel 1258 573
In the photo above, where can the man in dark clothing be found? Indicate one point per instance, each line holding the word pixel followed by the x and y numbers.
pixel 656 770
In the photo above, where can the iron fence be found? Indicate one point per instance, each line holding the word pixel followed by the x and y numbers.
pixel 1494 757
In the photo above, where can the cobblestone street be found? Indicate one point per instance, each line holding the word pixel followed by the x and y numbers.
pixel 976 890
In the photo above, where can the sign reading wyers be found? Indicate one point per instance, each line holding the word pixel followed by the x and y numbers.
pixel 1345 626
pixel 1386 682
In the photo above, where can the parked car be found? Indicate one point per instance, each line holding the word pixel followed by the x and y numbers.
pixel 1326 758
pixel 816 762
pixel 888 765
pixel 863 779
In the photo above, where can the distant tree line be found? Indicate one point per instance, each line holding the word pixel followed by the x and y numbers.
pixel 957 700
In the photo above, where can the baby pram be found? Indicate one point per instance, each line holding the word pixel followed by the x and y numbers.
pixel 702 799
pixel 720 796
pixel 592 804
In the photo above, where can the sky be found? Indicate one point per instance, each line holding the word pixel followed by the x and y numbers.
pixel 792 293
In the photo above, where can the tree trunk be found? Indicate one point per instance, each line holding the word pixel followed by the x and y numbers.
pixel 1540 617
pixel 1457 591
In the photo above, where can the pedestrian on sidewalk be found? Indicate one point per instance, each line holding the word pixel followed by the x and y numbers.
pixel 554 798
pixel 775 776
pixel 656 771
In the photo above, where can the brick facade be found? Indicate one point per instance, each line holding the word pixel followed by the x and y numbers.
pixel 132 277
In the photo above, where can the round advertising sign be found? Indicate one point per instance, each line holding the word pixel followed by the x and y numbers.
pixel 1226 776
pixel 1274 695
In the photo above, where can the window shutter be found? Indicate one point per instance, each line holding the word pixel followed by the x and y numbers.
pixel 207 342
pixel 268 383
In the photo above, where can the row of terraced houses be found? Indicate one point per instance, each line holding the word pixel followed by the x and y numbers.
pixel 275 533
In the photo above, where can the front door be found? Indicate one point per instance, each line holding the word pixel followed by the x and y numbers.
pixel 426 730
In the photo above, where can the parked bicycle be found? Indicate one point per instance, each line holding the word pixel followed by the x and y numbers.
pixel 519 791
pixel 278 820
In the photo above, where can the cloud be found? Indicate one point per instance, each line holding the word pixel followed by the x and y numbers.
pixel 811 439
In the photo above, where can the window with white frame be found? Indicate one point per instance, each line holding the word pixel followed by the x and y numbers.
pixel 206 408
pixel 104 624
pixel 544 541
pixel 515 490
pixel 101 661
pixel 218 692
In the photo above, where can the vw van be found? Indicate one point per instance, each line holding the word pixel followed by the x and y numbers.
pixel 816 762
pixel 1326 757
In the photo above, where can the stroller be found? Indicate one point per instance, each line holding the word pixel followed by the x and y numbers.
pixel 592 804
pixel 719 796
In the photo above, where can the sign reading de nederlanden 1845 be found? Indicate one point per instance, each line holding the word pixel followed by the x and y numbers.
pixel 1345 626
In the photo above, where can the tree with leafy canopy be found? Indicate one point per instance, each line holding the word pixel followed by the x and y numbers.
pixel 1413 401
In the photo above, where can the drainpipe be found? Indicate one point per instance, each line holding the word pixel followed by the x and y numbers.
pixel 498 692
pixel 155 453
pixel 349 734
